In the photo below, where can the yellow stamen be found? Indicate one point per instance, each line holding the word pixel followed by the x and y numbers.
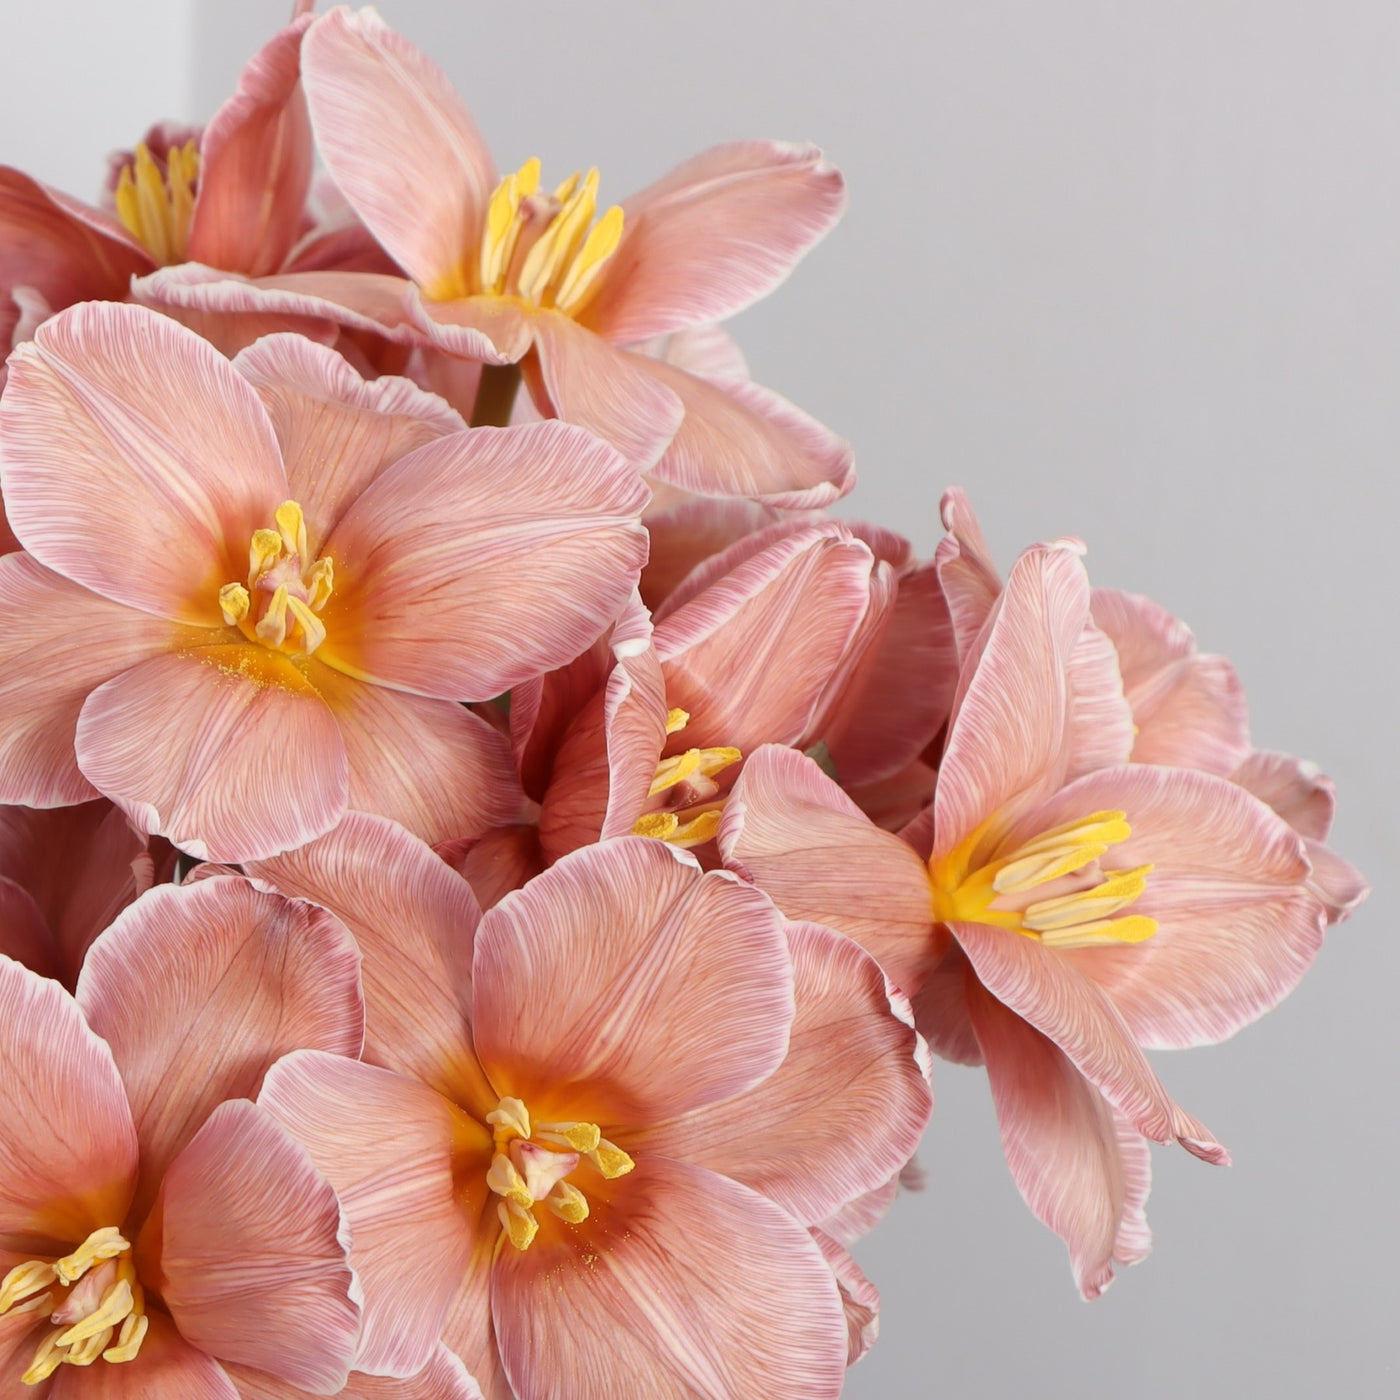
pixel 291 525
pixel 520 1225
pixel 157 209
pixel 511 1117
pixel 129 1339
pixel 285 588
pixel 579 1137
pixel 23 1280
pixel 598 247
pixel 1132 928
pixel 505 1180
pixel 568 1203
pixel 611 1160
pixel 234 602
pixel 47 1359
pixel 660 826
pixel 1099 902
pixel 676 720
pixel 106 1243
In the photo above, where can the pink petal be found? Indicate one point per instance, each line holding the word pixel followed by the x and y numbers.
pixel 425 200
pixel 791 830
pixel 259 975
pixel 337 431
pixel 859 1217
pixel 577 376
pixel 195 746
pixel 414 920
pixel 386 1144
pixel 1100 719
pixel 1340 886
pixel 1299 791
pixel 740 439
pixel 482 559
pixel 24 932
pixel 253 1252
pixel 167 1368
pixel 686 1000
pixel 717 233
pixel 496 330
pixel 851 1075
pixel 1189 709
pixel 59 643
pixel 255 161
pixel 77 1174
pixel 685 535
pixel 99 449
pixel 501 861
pixel 941 1011
pixel 444 1378
pixel 738 1299
pixel 965 568
pixel 860 1300
pixel 709 351
pixel 1081 1167
pixel 469 1332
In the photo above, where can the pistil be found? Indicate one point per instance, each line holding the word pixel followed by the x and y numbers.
pixel 280 602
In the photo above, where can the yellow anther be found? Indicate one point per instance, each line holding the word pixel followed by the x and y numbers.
pixel 117 1303
pixel 234 602
pixel 1101 901
pixel 106 1243
pixel 564 190
pixel 1102 933
pixel 611 1160
pixel 24 1280
pixel 86 1351
pixel 313 630
pixel 676 720
pixel 272 627
pixel 510 1118
pixel 503 1178
pixel 129 1339
pixel 264 550
pixel 702 827
pixel 47 1359
pixel 568 1203
pixel 660 826
pixel 598 247
pixel 157 209
pixel 320 583
pixel 581 1137
pixel 671 771
pixel 519 1224
pixel 291 525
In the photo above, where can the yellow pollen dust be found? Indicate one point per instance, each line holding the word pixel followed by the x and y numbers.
pixel 157 208
pixel 531 1164
pixel 279 604
pixel 96 1307
pixel 685 784
pixel 1052 887
pixel 545 249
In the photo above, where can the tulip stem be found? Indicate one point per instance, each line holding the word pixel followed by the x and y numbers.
pixel 495 396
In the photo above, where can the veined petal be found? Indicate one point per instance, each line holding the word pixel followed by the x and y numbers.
pixel 687 999
pixel 1083 1170
pixel 717 233
pixel 366 86
pixel 859 1217
pixel 253 1252
pixel 77 1173
pixel 1303 795
pixel 966 570
pixel 851 1075
pixel 791 830
pixel 495 330
pixel 707 1288
pixel 24 932
pixel 941 1011
pixel 166 1368
pixel 255 160
pixel 105 463
pixel 257 974
pixel 227 751
pixel 388 1145
pixel 686 535
pixel 482 559
pixel 860 1300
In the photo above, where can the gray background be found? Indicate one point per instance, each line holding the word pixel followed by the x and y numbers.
pixel 1124 270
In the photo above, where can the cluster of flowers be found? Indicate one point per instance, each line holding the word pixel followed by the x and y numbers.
pixel 487 868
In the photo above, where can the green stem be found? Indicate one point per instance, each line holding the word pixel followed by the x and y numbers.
pixel 495 396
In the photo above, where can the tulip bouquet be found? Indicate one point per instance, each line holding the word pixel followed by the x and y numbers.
pixel 489 858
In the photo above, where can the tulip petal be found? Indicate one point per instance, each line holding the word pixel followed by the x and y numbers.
pixel 259 976
pixel 860 1300
pixel 68 1151
pixel 851 1075
pixel 1081 1168
pixel 166 1368
pixel 1101 721
pixel 495 330
pixel 425 199
pixel 686 1000
pixel 414 919
pixel 684 536
pixel 482 559
pixel 940 1010
pixel 714 235
pixel 125 437
pixel 1299 791
pixel 707 1288
pixel 576 376
pixel 226 750
pixel 337 431
pixel 253 1252
pixel 859 1217
pixel 791 830
pixel 255 160
pixel 386 1143
pixel 24 932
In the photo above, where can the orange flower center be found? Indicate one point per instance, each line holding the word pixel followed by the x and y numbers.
pixel 157 205
pixel 531 1165
pixel 279 605
pixel 95 1305
pixel 684 808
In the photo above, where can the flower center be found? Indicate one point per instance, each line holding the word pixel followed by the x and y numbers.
pixel 683 806
pixel 92 1298
pixel 531 1165
pixel 542 248
pixel 278 606
pixel 157 205
pixel 1052 887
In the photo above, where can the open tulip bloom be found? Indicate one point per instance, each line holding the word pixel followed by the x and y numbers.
pixel 486 858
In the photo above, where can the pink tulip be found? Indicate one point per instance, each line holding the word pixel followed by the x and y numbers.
pixel 503 272
pixel 1068 914
pixel 585 1114
pixel 295 634
pixel 161 1237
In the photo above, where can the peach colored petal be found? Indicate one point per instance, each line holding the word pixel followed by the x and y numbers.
pixel 443 1378
pixel 24 932
pixel 941 1012
pixel 100 450
pixel 859 1217
pixel 425 199
pixel 1340 886
pixel 253 1252
pixel 685 535
pixel 495 330
pixel 226 750
pixel 576 376
pixel 387 1145
pixel 199 988
pixel 707 1288
pixel 414 920
pixel 718 232
pixel 469 1331
pixel 501 861
pixel 68 1151
pixel 482 559
pixel 166 1368
pixel 1299 791
pixel 685 1001
pixel 255 161
pixel 1081 1167
pixel 851 1075
pixel 791 830
pixel 1100 732
pixel 965 568
pixel 860 1300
